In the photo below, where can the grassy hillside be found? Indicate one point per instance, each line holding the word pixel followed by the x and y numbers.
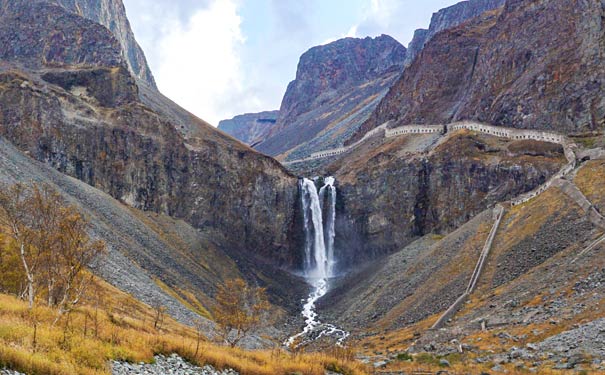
pixel 114 326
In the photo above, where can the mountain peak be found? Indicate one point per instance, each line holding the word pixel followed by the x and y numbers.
pixel 109 13
pixel 342 63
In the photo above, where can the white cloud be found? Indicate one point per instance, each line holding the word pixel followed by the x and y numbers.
pixel 199 64
pixel 195 54
pixel 381 16
pixel 352 33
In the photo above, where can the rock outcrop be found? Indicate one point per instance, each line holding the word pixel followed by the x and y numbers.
pixel 530 64
pixel 250 128
pixel 108 13
pixel 336 87
pixel 446 19
pixel 166 365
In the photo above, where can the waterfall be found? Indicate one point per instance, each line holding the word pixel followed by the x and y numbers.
pixel 329 231
pixel 319 258
pixel 316 256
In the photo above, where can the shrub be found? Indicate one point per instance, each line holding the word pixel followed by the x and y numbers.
pixel 405 356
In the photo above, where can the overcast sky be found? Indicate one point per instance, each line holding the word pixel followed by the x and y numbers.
pixel 221 58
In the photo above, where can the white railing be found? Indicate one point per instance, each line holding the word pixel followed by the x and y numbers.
pixel 498 131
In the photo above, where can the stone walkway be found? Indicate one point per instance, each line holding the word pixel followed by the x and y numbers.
pixel 497 131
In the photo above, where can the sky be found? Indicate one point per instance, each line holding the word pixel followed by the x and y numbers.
pixel 221 58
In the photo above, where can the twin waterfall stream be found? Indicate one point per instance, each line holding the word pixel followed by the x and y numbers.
pixel 319 260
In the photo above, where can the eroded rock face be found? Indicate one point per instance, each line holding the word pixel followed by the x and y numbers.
pixel 41 34
pixel 537 64
pixel 250 128
pixel 112 14
pixel 337 86
pixel 108 13
pixel 447 18
pixel 388 199
pixel 138 157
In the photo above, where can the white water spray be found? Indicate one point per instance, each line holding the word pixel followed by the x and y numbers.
pixel 330 231
pixel 319 259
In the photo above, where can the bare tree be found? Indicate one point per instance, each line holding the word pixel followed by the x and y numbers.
pixel 44 205
pixel 15 215
pixel 52 242
pixel 74 251
pixel 159 312
pixel 199 327
pixel 240 310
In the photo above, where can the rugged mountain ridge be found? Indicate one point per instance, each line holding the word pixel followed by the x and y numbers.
pixel 250 128
pixel 343 63
pixel 321 110
pixel 448 18
pixel 336 87
pixel 536 64
pixel 112 15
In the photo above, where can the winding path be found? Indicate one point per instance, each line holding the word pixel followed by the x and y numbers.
pixel 497 131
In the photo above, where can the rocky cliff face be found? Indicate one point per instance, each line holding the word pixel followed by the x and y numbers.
pixel 336 87
pixel 250 128
pixel 108 13
pixel 447 18
pixel 43 35
pixel 536 64
pixel 391 194
pixel 68 99
pixel 343 63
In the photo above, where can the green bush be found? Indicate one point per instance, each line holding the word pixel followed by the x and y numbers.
pixel 404 357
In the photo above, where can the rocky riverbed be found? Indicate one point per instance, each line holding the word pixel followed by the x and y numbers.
pixel 165 365
pixel 9 372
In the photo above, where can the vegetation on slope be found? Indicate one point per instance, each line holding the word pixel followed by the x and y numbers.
pixel 535 286
pixel 114 326
pixel 57 318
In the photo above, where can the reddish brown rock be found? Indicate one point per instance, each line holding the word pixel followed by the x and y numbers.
pixel 537 64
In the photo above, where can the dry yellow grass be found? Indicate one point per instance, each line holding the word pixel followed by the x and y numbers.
pixel 191 302
pixel 124 331
pixel 591 181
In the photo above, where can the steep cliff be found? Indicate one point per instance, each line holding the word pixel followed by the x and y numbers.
pixel 69 100
pixel 406 187
pixel 108 13
pixel 446 19
pixel 534 64
pixel 336 87
pixel 250 128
